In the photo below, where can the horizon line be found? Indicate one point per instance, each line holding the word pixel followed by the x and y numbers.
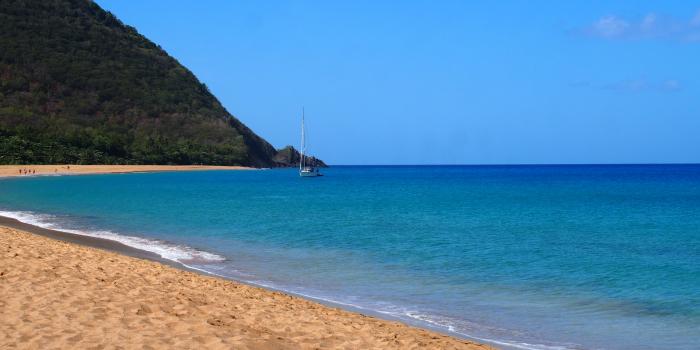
pixel 516 164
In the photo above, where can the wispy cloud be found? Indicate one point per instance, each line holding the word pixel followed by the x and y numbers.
pixel 609 27
pixel 671 85
pixel 632 85
pixel 696 20
pixel 651 26
pixel 627 85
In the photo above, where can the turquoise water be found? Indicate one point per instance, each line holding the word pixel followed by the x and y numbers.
pixel 532 257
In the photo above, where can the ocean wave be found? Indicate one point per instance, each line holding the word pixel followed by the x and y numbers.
pixel 461 328
pixel 178 253
pixel 206 262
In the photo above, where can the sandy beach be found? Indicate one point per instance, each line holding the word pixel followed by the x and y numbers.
pixel 66 169
pixel 55 293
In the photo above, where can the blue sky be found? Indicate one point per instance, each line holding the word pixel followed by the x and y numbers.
pixel 447 82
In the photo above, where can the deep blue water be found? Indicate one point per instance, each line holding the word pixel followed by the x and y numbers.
pixel 591 257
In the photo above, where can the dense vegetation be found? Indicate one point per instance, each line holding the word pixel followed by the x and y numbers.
pixel 79 86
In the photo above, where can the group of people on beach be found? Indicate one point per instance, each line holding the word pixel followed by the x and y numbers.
pixel 27 171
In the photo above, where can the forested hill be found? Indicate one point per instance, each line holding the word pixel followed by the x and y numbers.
pixel 79 86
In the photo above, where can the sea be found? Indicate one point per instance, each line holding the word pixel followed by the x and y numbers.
pixel 521 257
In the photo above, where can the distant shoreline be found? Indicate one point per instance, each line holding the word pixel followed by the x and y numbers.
pixel 70 169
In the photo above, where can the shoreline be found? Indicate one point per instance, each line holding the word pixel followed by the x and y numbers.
pixel 15 171
pixel 115 247
pixel 89 241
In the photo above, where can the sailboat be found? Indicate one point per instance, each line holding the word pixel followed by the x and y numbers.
pixel 305 170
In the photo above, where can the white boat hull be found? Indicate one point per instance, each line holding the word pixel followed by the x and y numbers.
pixel 309 174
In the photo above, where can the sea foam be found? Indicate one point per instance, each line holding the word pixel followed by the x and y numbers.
pixel 175 252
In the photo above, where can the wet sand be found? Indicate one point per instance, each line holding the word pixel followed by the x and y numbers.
pixel 59 290
pixel 65 169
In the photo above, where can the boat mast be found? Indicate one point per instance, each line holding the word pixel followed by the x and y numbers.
pixel 303 142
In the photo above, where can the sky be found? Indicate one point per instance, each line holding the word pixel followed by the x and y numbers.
pixel 447 82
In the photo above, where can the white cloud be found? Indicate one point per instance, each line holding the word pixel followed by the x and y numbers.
pixel 649 22
pixel 628 85
pixel 671 85
pixel 651 26
pixel 695 22
pixel 609 27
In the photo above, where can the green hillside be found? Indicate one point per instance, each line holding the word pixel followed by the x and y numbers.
pixel 79 86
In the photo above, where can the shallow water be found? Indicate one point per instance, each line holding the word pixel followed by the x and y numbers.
pixel 533 257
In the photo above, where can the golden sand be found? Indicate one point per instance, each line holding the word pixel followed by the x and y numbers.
pixel 58 295
pixel 14 170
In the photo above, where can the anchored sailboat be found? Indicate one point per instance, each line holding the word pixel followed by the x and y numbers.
pixel 306 170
